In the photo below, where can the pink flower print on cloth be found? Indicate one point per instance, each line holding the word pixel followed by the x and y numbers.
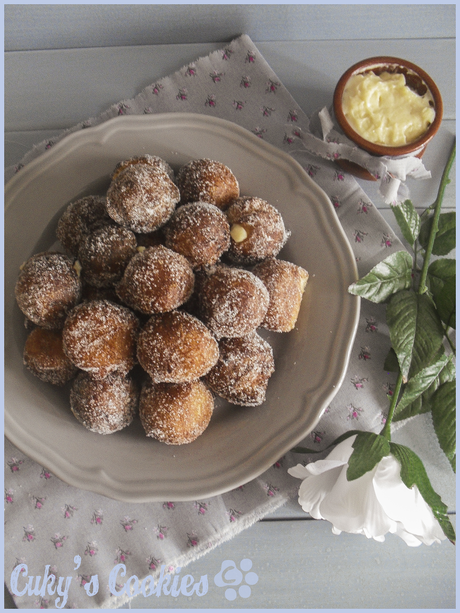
pixel 39 501
pixel 9 496
pixel 68 511
pixel 359 382
pixel 192 540
pixel 45 474
pixel 201 507
pixel 169 506
pixel 161 532
pixel 153 563
pixel 14 464
pixel 58 540
pixel 121 555
pixel 354 412
pixel 371 324
pixel 98 517
pixel 128 523
pixel 91 549
pixel 233 515
pixel 364 354
pixel 271 489
pixel 245 82
pixel 29 534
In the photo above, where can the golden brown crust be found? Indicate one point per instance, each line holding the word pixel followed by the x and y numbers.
pixel 243 370
pixel 206 180
pixel 200 232
pixel 141 198
pixel 175 414
pixel 104 405
pixel 44 356
pixel 156 280
pixel 48 287
pixel 79 219
pixel 176 347
pixel 263 225
pixel 232 301
pixel 286 284
pixel 100 337
pixel 105 253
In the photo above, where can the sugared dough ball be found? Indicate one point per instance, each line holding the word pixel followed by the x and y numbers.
pixel 232 301
pixel 286 284
pixel 200 232
pixel 48 287
pixel 44 356
pixel 257 230
pixel 79 219
pixel 156 280
pixel 100 338
pixel 207 181
pixel 105 253
pixel 176 347
pixel 150 160
pixel 243 370
pixel 142 198
pixel 106 405
pixel 175 414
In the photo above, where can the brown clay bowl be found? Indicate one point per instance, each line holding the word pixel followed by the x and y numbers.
pixel 417 79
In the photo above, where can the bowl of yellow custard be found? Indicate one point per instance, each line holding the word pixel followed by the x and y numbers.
pixel 388 106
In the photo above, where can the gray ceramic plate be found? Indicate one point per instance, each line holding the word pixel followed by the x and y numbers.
pixel 240 443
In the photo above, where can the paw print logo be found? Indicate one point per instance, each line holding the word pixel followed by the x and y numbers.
pixel 231 577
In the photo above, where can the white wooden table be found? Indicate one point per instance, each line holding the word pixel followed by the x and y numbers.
pixel 65 63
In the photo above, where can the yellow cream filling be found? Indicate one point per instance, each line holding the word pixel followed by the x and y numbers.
pixel 384 110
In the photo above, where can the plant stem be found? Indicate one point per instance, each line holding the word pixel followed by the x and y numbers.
pixel 434 227
pixel 386 432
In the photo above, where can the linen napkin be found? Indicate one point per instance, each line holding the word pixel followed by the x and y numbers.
pixel 80 535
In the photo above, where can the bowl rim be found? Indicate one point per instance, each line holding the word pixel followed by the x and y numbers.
pixel 374 148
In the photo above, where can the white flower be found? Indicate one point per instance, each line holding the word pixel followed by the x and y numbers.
pixel 374 504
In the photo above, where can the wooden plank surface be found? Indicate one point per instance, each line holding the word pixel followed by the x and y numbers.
pixel 65 26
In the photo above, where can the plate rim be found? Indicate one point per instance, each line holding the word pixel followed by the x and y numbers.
pixel 105 128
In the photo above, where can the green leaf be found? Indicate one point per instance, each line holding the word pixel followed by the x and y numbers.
pixel 391 363
pixel 413 473
pixel 369 449
pixel 414 408
pixel 439 272
pixel 445 301
pixel 386 278
pixel 420 383
pixel 445 236
pixel 408 220
pixel 416 331
pixel 443 413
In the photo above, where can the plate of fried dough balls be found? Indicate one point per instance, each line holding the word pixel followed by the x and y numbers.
pixel 182 319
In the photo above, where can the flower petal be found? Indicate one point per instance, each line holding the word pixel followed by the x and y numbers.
pixel 300 471
pixel 315 488
pixel 405 505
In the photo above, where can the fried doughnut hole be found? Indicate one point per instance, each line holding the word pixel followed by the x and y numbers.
pixel 48 287
pixel 79 219
pixel 176 347
pixel 45 358
pixel 206 180
pixel 100 337
pixel 286 284
pixel 199 231
pixel 175 414
pixel 104 405
pixel 156 280
pixel 141 197
pixel 257 230
pixel 232 301
pixel 105 253
pixel 243 370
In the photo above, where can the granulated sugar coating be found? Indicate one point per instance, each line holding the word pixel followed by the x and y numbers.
pixel 150 160
pixel 199 231
pixel 79 219
pixel 156 280
pixel 176 347
pixel 264 229
pixel 142 198
pixel 286 284
pixel 243 370
pixel 207 181
pixel 44 356
pixel 100 338
pixel 105 253
pixel 232 301
pixel 195 262
pixel 104 406
pixel 175 414
pixel 48 287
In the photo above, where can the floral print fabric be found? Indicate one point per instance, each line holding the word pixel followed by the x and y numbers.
pixel 48 522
